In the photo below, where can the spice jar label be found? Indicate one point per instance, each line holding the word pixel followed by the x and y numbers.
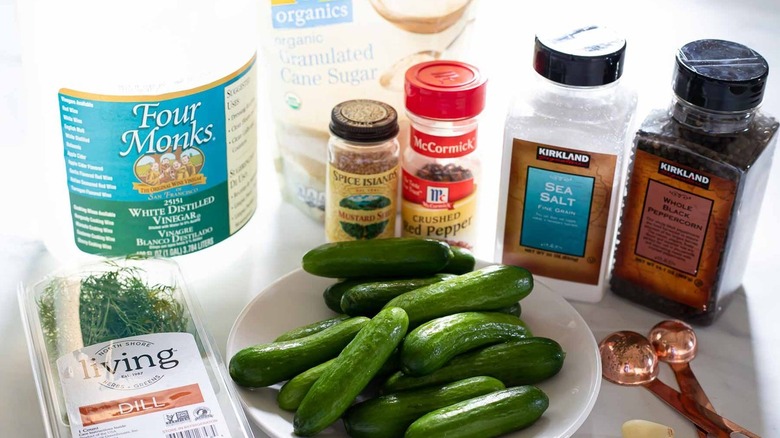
pixel 557 213
pixel 439 202
pixel 454 225
pixel 672 229
pixel 161 175
pixel 150 385
pixel 435 194
pixel 363 206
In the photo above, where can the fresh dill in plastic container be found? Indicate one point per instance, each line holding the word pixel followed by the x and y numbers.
pixel 118 348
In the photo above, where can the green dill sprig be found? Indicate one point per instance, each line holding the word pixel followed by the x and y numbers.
pixel 115 304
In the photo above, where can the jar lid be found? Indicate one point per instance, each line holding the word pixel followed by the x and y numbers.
pixel 364 120
pixel 720 75
pixel 449 90
pixel 587 56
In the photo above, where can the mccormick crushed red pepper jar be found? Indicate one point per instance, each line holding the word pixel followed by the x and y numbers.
pixel 440 166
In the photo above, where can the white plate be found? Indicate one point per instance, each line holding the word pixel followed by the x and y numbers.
pixel 296 299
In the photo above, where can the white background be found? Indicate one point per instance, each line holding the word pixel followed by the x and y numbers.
pixel 738 356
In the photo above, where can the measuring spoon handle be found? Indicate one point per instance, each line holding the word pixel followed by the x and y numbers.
pixel 689 384
pixel 696 413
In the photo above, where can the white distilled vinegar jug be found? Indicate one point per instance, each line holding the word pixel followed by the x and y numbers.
pixel 145 116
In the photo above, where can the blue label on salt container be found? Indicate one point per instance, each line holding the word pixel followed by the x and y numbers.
pixel 557 211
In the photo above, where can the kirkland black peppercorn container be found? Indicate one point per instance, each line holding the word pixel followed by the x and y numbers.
pixel 695 185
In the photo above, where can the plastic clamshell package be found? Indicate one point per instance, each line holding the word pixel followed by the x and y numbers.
pixel 214 382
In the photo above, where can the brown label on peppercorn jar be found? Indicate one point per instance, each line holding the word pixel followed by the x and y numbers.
pixel 673 228
pixel 557 215
pixel 361 206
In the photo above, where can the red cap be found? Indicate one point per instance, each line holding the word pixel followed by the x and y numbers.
pixel 445 90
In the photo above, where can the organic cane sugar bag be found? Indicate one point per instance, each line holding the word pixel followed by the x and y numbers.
pixel 319 53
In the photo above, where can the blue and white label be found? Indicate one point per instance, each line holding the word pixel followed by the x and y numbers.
pixel 161 175
pixel 438 195
pixel 557 211
pixel 300 14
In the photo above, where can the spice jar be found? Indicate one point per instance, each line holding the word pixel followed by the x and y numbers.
pixel 362 168
pixel 440 166
pixel 565 138
pixel 696 183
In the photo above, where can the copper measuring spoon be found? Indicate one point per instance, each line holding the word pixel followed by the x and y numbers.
pixel 675 343
pixel 628 359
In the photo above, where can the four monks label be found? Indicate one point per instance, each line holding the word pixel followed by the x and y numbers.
pixel 161 175
pixel 557 214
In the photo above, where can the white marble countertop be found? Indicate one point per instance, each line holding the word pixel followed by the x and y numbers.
pixel 738 354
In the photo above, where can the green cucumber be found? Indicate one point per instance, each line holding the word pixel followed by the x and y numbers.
pixel 333 293
pixel 393 257
pixel 368 298
pixel 462 261
pixel 266 364
pixel 391 366
pixel 348 375
pixel 515 309
pixel 310 329
pixel 484 416
pixel 522 362
pixel 431 345
pixel 389 415
pixel 294 390
pixel 485 289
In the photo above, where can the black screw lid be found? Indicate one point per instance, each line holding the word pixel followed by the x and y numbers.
pixel 720 75
pixel 585 57
pixel 364 120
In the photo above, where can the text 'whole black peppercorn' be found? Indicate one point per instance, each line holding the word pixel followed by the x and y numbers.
pixel 696 183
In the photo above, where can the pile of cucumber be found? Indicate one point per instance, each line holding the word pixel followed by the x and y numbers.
pixel 433 347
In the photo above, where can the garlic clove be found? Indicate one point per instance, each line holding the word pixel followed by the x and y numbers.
pixel 646 429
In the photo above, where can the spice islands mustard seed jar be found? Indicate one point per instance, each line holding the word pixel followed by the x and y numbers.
pixel 440 166
pixel 696 183
pixel 362 185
